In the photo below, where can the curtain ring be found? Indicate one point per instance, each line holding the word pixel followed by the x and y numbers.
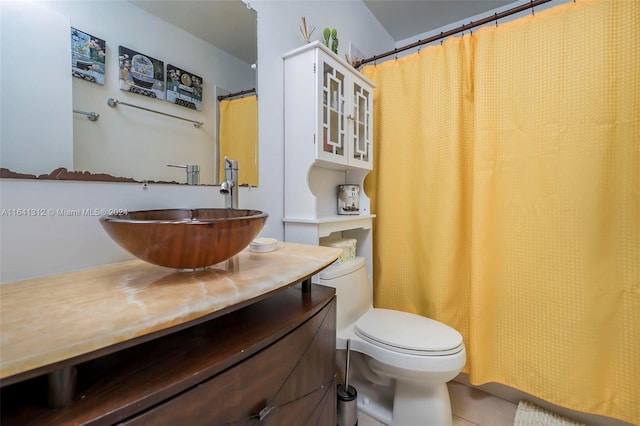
pixel 395 51
pixel 533 11
pixel 471 28
pixel 441 38
pixel 496 17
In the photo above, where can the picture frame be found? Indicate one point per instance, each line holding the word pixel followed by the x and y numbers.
pixel 184 88
pixel 88 56
pixel 141 74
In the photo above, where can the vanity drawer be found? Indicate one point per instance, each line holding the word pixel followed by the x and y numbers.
pixel 291 382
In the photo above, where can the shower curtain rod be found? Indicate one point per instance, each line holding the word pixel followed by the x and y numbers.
pixel 233 95
pixel 463 27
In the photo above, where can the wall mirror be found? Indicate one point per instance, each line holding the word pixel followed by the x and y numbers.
pixel 215 40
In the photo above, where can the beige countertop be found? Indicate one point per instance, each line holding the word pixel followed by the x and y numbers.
pixel 56 318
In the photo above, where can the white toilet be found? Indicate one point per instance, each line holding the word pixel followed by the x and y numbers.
pixel 408 357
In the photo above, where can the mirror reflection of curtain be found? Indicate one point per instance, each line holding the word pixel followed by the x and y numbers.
pixel 239 137
pixel 506 182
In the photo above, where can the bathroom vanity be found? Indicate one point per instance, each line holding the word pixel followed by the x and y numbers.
pixel 247 341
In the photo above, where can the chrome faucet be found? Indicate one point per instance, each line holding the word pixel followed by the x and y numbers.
pixel 229 187
pixel 193 172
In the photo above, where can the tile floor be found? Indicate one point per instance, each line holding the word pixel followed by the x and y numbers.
pixel 470 407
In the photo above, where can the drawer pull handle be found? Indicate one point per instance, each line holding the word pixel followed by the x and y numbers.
pixel 265 413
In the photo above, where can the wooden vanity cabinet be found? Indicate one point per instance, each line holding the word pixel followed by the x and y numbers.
pixel 290 382
pixel 272 362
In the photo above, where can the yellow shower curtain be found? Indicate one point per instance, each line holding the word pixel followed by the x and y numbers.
pixel 507 194
pixel 239 137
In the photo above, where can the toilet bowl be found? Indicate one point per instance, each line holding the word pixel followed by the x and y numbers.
pixel 415 354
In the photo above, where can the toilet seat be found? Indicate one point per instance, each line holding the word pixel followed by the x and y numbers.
pixel 408 333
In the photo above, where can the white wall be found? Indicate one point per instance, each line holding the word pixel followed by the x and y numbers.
pixel 29 98
pixel 40 235
pixel 32 246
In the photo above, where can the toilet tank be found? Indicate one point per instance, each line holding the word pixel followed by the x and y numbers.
pixel 352 290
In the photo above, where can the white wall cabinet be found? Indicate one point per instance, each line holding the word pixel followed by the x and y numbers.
pixel 318 82
pixel 328 142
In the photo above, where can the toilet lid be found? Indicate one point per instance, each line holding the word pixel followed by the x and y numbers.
pixel 408 333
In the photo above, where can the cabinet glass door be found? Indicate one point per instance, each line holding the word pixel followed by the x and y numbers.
pixel 361 120
pixel 332 113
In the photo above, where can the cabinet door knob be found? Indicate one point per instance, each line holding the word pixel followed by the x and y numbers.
pixel 350 117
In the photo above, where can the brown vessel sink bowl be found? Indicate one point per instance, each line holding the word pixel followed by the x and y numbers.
pixel 185 238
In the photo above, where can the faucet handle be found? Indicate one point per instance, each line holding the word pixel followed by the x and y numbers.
pixel 230 164
pixel 191 168
pixel 229 187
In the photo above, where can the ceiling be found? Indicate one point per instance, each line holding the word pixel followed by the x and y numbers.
pixel 227 24
pixel 407 18
pixel 231 26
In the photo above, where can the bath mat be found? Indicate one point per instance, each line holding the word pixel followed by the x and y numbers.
pixel 529 414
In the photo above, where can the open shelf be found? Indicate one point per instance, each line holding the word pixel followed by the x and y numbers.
pixel 328 224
